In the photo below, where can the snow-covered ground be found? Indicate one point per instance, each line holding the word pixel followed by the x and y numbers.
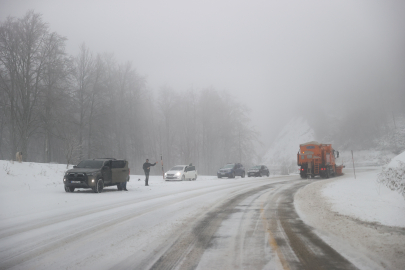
pixel 342 210
pixel 35 188
pixel 358 217
pixel 363 198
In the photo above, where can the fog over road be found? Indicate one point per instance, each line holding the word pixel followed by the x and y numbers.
pixel 245 223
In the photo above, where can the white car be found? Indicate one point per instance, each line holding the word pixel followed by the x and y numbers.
pixel 181 172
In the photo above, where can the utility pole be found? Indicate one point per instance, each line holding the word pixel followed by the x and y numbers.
pixel 163 171
pixel 240 148
pixel 354 170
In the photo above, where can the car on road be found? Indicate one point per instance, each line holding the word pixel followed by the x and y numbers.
pixel 97 174
pixel 181 173
pixel 231 170
pixel 258 171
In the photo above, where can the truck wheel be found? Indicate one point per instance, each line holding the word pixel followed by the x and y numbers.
pixel 327 173
pixel 99 186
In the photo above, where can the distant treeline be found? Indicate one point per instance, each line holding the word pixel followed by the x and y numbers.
pixel 61 108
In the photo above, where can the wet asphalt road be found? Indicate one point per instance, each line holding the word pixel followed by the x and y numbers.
pixel 256 229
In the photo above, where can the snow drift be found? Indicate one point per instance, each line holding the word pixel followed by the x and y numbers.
pixel 393 174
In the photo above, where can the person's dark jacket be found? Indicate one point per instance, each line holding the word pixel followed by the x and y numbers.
pixel 146 166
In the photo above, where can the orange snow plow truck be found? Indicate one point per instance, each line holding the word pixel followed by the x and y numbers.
pixel 318 159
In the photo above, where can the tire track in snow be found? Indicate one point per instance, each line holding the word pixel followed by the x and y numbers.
pixel 32 225
pixel 48 243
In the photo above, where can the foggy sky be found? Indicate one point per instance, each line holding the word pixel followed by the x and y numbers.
pixel 275 56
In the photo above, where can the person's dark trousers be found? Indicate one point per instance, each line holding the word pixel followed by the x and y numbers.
pixel 146 178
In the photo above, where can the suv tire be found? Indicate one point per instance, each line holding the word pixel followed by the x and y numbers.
pixel 183 178
pixel 69 189
pixel 99 186
pixel 243 175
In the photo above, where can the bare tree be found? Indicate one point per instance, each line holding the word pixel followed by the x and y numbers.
pixel 26 45
pixel 71 148
pixel 83 82
pixel 53 98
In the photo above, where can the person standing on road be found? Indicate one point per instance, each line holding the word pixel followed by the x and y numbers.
pixel 146 169
pixel 124 184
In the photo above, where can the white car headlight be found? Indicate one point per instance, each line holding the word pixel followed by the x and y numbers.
pixel 178 173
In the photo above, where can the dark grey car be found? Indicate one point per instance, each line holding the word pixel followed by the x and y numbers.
pixel 259 171
pixel 231 170
pixel 97 174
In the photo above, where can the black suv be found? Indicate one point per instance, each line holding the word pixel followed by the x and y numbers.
pixel 258 170
pixel 231 170
pixel 97 174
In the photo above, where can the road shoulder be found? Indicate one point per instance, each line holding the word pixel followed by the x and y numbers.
pixel 366 245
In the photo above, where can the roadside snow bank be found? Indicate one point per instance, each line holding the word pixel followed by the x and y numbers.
pixel 393 174
pixel 364 199
pixel 354 217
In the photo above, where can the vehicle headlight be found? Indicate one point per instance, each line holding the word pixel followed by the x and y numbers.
pixel 165 174
pixel 178 173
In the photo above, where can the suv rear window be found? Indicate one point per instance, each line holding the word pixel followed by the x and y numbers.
pixel 118 164
pixel 93 164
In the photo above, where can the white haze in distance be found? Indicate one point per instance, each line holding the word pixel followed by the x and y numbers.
pixel 275 56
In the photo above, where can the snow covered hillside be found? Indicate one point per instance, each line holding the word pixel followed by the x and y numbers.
pixel 282 154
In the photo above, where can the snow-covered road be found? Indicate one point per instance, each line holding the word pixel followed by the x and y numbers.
pixel 210 224
pixel 115 229
pixel 246 223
